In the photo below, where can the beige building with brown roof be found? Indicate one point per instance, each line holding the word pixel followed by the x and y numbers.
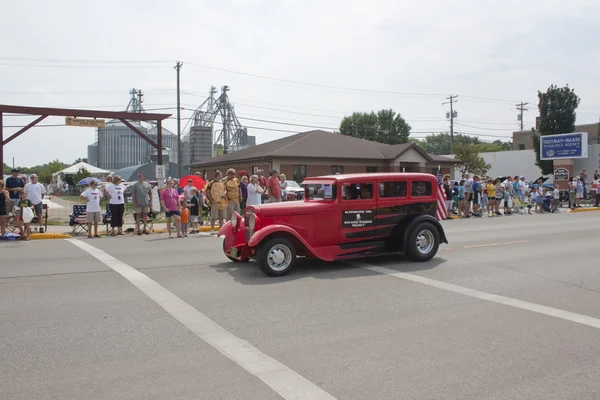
pixel 524 140
pixel 317 153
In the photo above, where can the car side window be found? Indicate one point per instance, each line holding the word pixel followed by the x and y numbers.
pixel 392 189
pixel 357 191
pixel 421 188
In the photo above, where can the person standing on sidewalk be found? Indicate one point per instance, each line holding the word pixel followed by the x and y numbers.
pixel 14 185
pixel 140 195
pixel 274 187
pixel 169 200
pixel 4 199
pixel 217 198
pixel 234 194
pixel 35 192
pixel 24 227
pixel 92 197
pixel 115 193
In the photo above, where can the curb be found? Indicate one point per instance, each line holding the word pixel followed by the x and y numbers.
pixel 46 236
pixel 42 236
pixel 586 209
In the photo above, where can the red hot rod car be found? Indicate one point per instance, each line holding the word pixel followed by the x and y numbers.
pixel 341 217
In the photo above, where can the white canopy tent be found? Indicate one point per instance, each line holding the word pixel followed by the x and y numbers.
pixel 73 169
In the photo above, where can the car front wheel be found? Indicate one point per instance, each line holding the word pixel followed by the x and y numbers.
pixel 423 242
pixel 276 257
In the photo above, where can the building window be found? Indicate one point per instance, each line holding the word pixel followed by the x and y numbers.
pixel 434 171
pixel 421 188
pixel 299 172
pixel 255 169
pixel 337 169
pixel 371 169
pixel 392 189
pixel 521 147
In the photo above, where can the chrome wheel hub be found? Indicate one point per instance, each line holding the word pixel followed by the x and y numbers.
pixel 279 257
pixel 425 241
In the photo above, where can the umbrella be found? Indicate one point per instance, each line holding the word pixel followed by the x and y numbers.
pixel 87 181
pixel 197 181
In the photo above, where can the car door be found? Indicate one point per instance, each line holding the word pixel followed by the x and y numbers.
pixel 392 204
pixel 358 230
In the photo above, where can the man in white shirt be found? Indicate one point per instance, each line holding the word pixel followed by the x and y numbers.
pixel 35 192
pixel 92 197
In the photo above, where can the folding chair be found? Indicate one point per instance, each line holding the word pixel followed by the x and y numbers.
pixel 78 220
pixel 106 217
pixel 149 221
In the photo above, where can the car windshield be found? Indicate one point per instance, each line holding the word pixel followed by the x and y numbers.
pixel 320 191
pixel 292 184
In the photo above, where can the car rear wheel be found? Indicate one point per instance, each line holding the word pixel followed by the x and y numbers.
pixel 423 242
pixel 226 251
pixel 276 257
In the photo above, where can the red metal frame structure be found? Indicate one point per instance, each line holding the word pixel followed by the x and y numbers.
pixel 65 112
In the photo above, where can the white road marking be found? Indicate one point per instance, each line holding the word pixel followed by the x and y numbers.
pixel 494 298
pixel 494 244
pixel 287 383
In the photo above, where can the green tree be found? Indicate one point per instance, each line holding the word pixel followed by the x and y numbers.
pixel 557 108
pixel 45 171
pixel 385 126
pixel 81 174
pixel 6 169
pixel 472 161
pixel 85 160
pixel 439 143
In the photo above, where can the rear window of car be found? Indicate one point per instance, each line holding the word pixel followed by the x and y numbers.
pixel 392 189
pixel 421 188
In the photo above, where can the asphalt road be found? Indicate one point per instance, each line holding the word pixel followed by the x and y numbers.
pixel 510 309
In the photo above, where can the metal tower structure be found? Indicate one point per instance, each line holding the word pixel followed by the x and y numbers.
pixel 233 136
pixel 135 103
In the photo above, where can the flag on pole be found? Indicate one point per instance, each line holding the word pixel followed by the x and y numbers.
pixel 441 212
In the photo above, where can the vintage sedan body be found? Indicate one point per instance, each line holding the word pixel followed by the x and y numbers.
pixel 341 217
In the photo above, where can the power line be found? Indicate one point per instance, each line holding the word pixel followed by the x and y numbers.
pixel 85 61
pixel 84 66
pixel 481 127
pixel 314 84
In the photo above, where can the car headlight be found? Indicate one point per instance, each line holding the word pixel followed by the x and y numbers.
pixel 235 219
pixel 251 221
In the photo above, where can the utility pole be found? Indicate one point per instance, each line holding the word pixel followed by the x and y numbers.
pixel 521 108
pixel 451 115
pixel 179 155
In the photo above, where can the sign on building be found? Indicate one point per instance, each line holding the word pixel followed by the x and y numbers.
pixel 85 122
pixel 568 145
pixel 561 174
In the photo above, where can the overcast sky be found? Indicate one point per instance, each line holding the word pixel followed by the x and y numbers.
pixel 492 54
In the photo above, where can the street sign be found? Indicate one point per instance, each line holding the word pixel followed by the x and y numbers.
pixel 161 175
pixel 568 145
pixel 561 174
pixel 85 122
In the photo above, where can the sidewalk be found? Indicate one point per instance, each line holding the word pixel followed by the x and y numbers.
pixel 65 231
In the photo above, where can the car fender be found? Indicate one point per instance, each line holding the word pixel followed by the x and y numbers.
pixel 425 218
pixel 232 237
pixel 263 233
pixel 226 230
